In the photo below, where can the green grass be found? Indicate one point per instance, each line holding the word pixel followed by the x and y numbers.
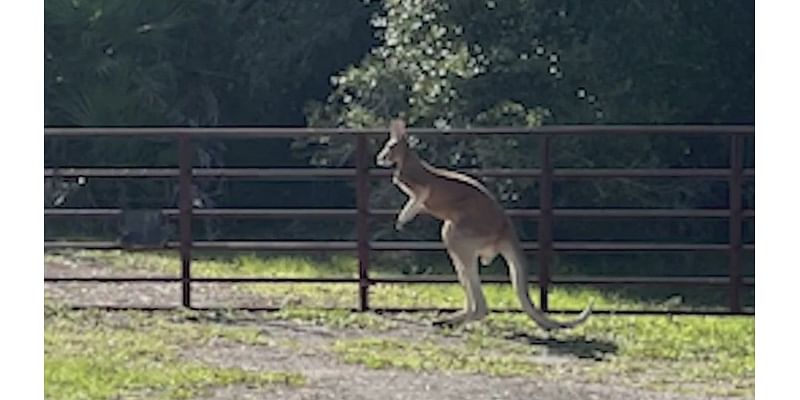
pixel 709 355
pixel 89 356
pixel 345 295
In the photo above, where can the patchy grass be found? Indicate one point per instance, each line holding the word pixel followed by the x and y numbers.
pixel 708 355
pixel 432 356
pixel 242 266
pixel 338 295
pixel 90 355
pixel 714 355
pixel 337 318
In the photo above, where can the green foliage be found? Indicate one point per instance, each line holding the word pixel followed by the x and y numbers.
pixel 527 62
pixel 436 63
pixel 533 62
pixel 140 62
pixel 186 63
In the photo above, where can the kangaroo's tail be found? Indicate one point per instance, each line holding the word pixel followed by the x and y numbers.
pixel 511 250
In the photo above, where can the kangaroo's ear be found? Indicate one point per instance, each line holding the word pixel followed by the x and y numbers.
pixel 397 129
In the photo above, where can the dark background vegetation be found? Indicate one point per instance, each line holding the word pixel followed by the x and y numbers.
pixel 446 63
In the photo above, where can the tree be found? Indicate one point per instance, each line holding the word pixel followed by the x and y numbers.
pixel 531 62
pixel 188 63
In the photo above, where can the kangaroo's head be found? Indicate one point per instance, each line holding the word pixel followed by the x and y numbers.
pixel 396 147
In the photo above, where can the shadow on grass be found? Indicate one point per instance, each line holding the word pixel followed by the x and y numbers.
pixel 576 346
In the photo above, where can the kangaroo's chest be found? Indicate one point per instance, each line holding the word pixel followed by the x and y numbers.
pixel 436 200
pixel 408 186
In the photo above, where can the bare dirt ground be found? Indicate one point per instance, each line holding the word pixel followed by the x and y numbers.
pixel 327 376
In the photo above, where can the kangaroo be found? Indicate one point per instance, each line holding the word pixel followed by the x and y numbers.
pixel 474 226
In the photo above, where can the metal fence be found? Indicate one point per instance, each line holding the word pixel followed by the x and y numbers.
pixel 545 247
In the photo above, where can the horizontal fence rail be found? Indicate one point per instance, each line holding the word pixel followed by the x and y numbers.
pixel 391 213
pixel 432 279
pixel 268 132
pixel 735 175
pixel 317 245
pixel 349 173
pixel 308 213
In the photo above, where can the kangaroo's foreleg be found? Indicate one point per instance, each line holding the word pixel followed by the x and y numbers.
pixel 410 210
pixel 413 206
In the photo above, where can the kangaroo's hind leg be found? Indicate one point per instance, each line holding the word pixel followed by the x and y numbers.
pixel 464 256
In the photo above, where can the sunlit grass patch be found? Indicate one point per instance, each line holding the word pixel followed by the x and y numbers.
pixel 709 354
pixel 168 263
pixel 88 356
pixel 341 295
pixel 499 296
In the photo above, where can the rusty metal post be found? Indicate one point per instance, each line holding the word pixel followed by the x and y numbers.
pixel 362 221
pixel 185 215
pixel 545 231
pixel 735 222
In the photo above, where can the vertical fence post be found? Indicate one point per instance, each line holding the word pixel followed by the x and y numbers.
pixel 362 220
pixel 185 216
pixel 735 222
pixel 545 231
